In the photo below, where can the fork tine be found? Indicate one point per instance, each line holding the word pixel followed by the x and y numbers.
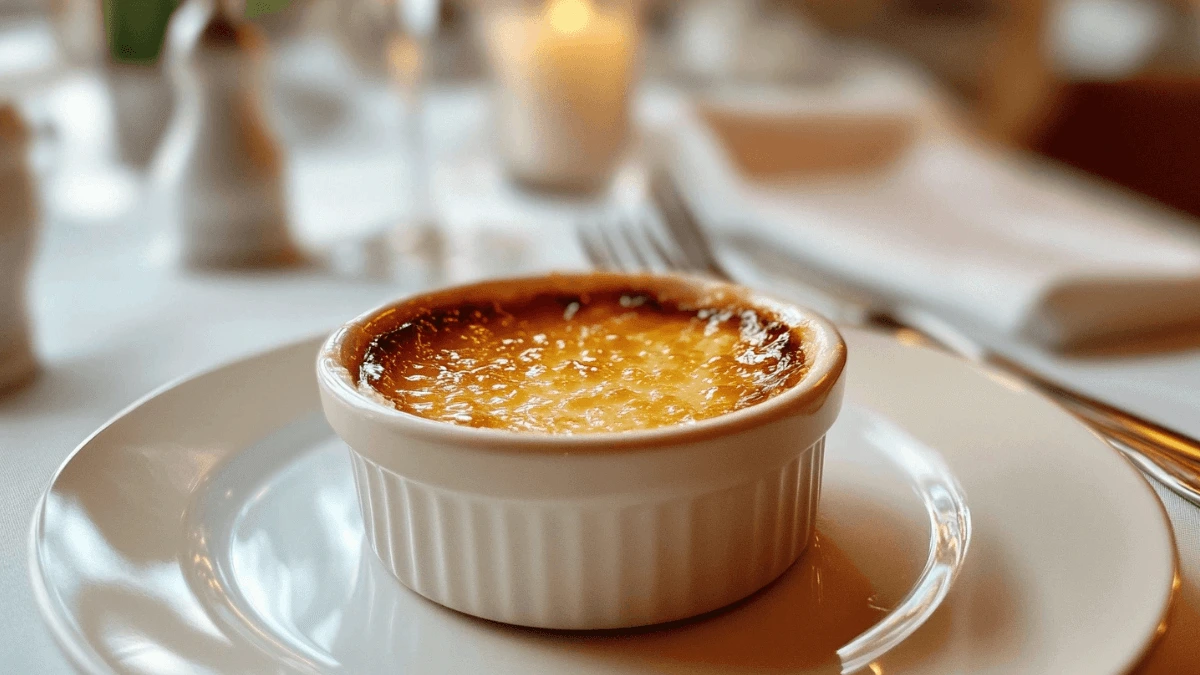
pixel 645 234
pixel 682 224
pixel 618 246
pixel 634 237
pixel 632 244
pixel 595 245
pixel 672 258
pixel 607 247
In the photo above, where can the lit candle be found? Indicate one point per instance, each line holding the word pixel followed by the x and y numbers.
pixel 564 72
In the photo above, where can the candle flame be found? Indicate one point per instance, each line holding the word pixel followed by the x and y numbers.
pixel 569 16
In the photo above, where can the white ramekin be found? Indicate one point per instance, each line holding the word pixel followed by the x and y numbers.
pixel 592 530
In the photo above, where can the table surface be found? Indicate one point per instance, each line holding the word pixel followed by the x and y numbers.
pixel 115 318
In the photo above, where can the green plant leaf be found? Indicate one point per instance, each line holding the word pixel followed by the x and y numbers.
pixel 135 28
pixel 256 8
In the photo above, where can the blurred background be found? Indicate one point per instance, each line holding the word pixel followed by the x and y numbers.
pixel 1107 86
pixel 184 183
pixel 406 143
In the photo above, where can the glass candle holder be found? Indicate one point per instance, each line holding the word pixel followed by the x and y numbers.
pixel 563 72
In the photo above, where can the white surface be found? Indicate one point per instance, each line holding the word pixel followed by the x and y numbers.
pixel 29 54
pixel 244 512
pixel 959 227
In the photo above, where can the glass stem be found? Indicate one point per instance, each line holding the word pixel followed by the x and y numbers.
pixel 418 142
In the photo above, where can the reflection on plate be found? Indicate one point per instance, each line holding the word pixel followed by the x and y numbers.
pixel 278 528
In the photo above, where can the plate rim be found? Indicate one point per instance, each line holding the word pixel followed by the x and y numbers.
pixel 79 652
pixel 83 656
pixel 1159 630
pixel 1162 625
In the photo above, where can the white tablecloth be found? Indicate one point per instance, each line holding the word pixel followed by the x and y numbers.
pixel 115 319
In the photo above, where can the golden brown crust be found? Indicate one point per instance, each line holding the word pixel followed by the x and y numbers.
pixel 825 351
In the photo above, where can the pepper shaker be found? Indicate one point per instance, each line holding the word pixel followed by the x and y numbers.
pixel 18 225
pixel 221 165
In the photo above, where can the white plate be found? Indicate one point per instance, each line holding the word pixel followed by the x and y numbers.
pixel 212 527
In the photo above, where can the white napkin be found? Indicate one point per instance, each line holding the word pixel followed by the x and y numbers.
pixel 964 230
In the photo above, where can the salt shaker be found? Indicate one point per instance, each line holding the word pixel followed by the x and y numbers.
pixel 220 163
pixel 18 225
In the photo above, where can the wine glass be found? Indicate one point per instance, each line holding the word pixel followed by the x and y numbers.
pixel 407 59
pixel 391 39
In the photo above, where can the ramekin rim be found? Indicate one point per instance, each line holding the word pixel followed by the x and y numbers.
pixel 823 374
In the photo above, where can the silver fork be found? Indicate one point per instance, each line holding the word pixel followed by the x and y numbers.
pixel 678 243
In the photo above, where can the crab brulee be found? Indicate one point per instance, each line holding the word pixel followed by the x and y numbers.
pixel 585 362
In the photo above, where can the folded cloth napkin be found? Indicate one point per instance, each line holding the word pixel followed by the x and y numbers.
pixel 953 226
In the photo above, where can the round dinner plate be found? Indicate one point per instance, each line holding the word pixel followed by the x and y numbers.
pixel 212 528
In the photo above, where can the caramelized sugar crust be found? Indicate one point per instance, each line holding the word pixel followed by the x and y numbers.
pixel 568 364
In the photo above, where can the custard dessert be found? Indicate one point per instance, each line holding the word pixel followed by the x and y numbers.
pixel 565 363
pixel 474 417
